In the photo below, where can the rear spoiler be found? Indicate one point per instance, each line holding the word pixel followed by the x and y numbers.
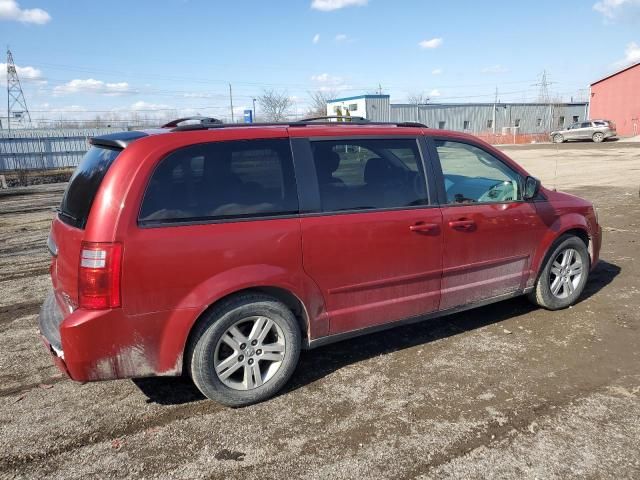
pixel 119 141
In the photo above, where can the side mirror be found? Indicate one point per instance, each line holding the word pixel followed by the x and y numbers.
pixel 531 187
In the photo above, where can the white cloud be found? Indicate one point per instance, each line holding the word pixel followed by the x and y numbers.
pixel 25 74
pixel 341 37
pixel 327 79
pixel 91 85
pixel 434 93
pixel 10 10
pixel 436 71
pixel 329 83
pixel 47 108
pixel 613 8
pixel 631 53
pixel 146 106
pixel 329 5
pixel 495 69
pixel 316 39
pixel 433 43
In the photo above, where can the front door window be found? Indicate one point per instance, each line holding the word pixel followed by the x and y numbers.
pixel 472 175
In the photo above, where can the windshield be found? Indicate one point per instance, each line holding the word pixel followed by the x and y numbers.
pixel 84 184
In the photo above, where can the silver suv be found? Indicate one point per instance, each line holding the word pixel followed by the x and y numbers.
pixel 596 130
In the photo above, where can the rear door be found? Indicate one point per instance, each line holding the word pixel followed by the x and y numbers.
pixel 490 234
pixel 372 240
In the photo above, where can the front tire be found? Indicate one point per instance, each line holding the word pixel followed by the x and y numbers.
pixel 564 275
pixel 557 138
pixel 245 350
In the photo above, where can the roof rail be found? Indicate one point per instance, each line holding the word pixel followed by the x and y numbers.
pixel 202 120
pixel 312 122
pixel 412 124
pixel 344 119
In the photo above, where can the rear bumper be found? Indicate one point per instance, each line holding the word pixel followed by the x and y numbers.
pixel 102 345
pixel 49 321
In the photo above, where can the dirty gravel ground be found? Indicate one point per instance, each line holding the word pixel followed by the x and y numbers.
pixel 504 391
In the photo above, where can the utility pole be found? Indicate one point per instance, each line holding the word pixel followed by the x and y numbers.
pixel 254 110
pixel 16 103
pixel 379 89
pixel 231 103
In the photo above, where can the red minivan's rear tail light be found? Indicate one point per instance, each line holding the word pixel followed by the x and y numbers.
pixel 99 275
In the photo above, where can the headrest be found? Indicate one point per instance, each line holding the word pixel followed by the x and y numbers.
pixel 327 162
pixel 376 171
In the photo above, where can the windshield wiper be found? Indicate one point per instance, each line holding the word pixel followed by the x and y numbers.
pixel 69 216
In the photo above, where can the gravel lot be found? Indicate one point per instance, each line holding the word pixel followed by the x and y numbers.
pixel 505 391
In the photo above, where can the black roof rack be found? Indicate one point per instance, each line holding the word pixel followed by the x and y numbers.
pixel 202 120
pixel 338 119
pixel 307 122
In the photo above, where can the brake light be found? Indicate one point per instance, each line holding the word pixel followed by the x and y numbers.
pixel 99 275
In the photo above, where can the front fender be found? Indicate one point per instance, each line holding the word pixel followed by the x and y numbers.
pixel 563 224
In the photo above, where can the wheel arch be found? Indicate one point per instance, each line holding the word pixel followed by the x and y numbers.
pixel 541 258
pixel 283 295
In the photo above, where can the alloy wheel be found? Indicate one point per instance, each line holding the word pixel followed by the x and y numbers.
pixel 249 353
pixel 566 273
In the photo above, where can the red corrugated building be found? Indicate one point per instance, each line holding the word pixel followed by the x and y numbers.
pixel 617 97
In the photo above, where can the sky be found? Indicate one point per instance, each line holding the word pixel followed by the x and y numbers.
pixel 78 59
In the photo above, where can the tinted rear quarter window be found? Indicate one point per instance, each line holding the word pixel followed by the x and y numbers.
pixel 84 184
pixel 222 180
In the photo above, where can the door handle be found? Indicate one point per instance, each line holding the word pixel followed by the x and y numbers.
pixel 462 224
pixel 423 227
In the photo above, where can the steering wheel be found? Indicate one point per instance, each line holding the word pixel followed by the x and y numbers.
pixel 500 192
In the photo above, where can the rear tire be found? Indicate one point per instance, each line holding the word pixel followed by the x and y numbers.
pixel 598 137
pixel 245 350
pixel 557 138
pixel 564 275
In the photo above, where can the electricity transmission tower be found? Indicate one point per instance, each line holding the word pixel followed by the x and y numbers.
pixel 543 97
pixel 543 93
pixel 17 110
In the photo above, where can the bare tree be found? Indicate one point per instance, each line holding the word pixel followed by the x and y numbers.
pixel 417 98
pixel 274 105
pixel 319 100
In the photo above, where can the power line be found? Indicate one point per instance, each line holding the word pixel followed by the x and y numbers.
pixel 259 84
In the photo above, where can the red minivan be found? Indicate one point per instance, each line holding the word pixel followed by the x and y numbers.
pixel 220 251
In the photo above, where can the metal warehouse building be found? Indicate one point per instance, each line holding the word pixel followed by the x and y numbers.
pixel 500 118
pixel 617 97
